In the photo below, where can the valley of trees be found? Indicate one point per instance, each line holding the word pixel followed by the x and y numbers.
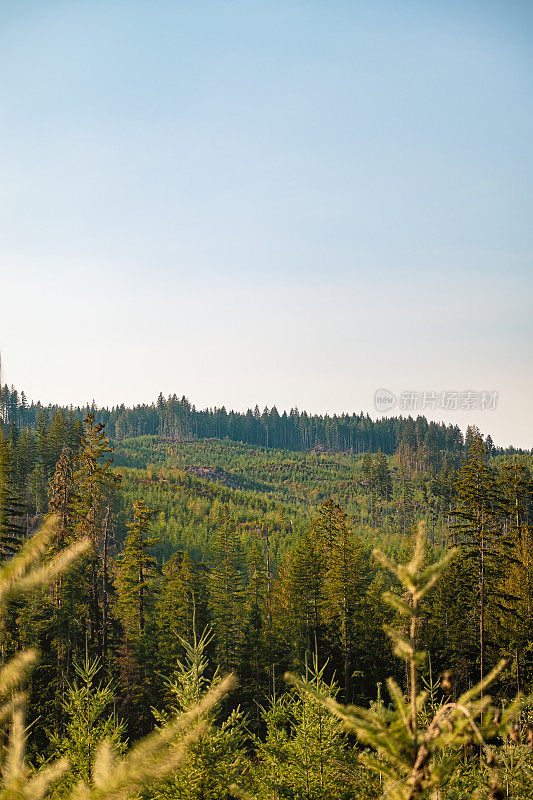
pixel 246 544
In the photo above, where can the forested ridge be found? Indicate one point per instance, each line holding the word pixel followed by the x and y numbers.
pixel 215 552
pixel 176 419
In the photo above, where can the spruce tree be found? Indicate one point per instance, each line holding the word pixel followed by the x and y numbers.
pixel 88 708
pixel 136 573
pixel 478 510
pixel 383 482
pixel 304 753
pixel 136 583
pixel 306 576
pixel 415 752
pixel 218 759
pixel 181 605
pixel 94 486
pixel 226 593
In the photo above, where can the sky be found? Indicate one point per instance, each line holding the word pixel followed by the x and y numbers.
pixel 283 203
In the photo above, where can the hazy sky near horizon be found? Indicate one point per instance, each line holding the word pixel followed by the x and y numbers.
pixel 289 203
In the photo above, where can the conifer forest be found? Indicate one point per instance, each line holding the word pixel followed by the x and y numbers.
pixel 266 451
pixel 193 615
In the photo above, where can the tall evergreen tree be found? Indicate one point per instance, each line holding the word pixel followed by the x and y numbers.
pixel 367 479
pixel 383 482
pixel 88 709
pixel 61 493
pixel 345 583
pixel 226 592
pixel 256 643
pixel 478 510
pixel 406 500
pixel 135 580
pixel 516 577
pixel 306 577
pixel 304 753
pixel 12 527
pixel 136 573
pixel 218 758
pixel 181 605
pixel 94 487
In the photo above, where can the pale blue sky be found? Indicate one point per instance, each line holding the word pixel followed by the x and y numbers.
pixel 290 203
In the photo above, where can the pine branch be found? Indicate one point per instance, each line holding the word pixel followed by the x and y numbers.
pixel 408 752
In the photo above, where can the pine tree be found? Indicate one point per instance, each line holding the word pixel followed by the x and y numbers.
pixel 61 494
pixel 138 657
pixel 383 482
pixel 56 439
pixel 304 753
pixel 42 442
pixel 136 573
pixel 37 490
pixel 516 579
pixel 57 610
pixel 406 503
pixel 328 524
pixel 344 583
pixel 367 479
pixel 443 488
pixel 226 593
pixel 181 605
pixel 415 751
pixel 90 722
pixel 478 509
pixel 94 486
pixel 306 576
pixel 218 758
pixel 451 628
pixel 24 457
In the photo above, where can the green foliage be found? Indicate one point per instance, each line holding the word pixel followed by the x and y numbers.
pixel 408 746
pixel 272 549
pixel 89 723
pixel 136 573
pixel 12 525
pixel 346 581
pixel 19 575
pixel 304 752
pixel 182 605
pixel 94 482
pixel 218 758
pixel 305 579
pixel 112 777
pixel 226 592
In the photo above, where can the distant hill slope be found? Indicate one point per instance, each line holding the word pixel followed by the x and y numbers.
pixel 176 420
